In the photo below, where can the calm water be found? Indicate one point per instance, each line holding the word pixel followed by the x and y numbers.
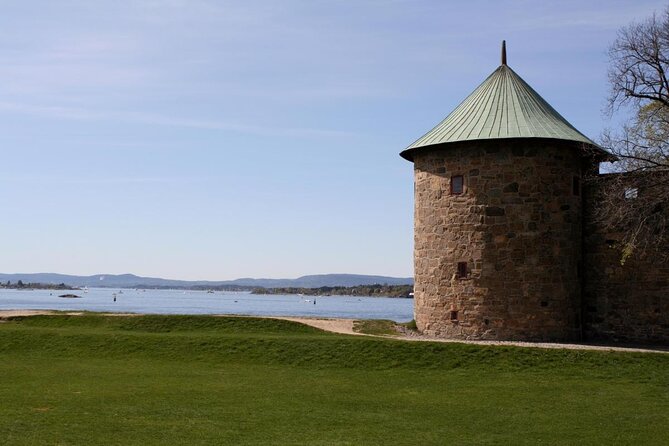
pixel 201 302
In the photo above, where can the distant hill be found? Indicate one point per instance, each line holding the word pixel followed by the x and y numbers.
pixel 133 281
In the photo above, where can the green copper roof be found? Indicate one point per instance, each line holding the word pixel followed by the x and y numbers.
pixel 503 106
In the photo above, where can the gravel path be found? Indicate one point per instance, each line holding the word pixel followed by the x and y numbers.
pixel 345 326
pixel 341 326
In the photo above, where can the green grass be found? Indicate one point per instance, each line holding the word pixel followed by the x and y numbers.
pixel 145 380
pixel 411 325
pixel 377 327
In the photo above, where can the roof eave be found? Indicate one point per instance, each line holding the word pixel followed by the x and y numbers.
pixel 597 152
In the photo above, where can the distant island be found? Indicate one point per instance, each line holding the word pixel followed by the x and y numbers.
pixel 133 281
pixel 234 288
pixel 19 285
pixel 70 296
pixel 376 290
pixel 314 285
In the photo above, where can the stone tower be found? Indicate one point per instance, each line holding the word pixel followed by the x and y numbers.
pixel 498 221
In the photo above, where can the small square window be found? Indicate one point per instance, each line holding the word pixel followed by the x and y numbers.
pixel 457 184
pixel 454 315
pixel 576 186
pixel 631 193
pixel 462 270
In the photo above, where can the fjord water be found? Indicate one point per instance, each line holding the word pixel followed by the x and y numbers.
pixel 202 302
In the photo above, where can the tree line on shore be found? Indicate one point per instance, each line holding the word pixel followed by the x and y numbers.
pixel 376 290
pixel 20 285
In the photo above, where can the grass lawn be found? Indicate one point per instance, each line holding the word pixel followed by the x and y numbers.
pixel 147 380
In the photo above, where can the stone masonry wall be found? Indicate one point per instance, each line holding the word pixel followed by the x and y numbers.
pixel 622 303
pixel 518 227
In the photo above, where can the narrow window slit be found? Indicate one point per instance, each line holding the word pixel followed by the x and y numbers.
pixel 457 185
pixel 462 270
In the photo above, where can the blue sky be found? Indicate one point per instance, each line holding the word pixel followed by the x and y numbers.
pixel 198 139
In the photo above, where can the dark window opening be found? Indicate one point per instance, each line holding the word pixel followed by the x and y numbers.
pixel 486 321
pixel 454 315
pixel 462 270
pixel 457 184
pixel 544 303
pixel 576 186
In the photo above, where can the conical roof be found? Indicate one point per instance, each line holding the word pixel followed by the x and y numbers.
pixel 503 106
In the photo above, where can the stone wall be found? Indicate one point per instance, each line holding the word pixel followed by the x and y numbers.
pixel 518 227
pixel 622 303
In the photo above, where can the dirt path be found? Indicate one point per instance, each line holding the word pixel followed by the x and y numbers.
pixel 553 345
pixel 345 326
pixel 341 326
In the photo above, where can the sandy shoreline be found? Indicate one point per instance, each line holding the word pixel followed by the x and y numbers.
pixel 341 326
pixel 345 326
pixel 14 313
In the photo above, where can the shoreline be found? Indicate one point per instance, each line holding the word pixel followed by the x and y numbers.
pixel 345 326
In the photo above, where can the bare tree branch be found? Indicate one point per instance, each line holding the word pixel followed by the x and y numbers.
pixel 633 203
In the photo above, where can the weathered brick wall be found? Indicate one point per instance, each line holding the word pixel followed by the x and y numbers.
pixel 622 303
pixel 518 227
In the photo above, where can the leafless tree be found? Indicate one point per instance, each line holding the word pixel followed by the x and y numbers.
pixel 634 201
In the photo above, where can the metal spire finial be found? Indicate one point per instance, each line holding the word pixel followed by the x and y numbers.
pixel 503 52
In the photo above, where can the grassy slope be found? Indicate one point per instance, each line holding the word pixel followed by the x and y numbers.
pixel 206 380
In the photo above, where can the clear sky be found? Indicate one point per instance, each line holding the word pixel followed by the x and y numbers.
pixel 210 139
